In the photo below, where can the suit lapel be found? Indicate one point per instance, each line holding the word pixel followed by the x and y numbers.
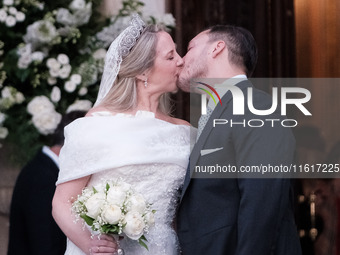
pixel 216 114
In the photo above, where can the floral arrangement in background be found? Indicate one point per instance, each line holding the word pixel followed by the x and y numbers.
pixel 51 60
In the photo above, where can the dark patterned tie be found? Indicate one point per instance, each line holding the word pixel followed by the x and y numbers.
pixel 203 121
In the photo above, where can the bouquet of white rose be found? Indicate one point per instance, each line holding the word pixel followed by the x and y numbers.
pixel 114 207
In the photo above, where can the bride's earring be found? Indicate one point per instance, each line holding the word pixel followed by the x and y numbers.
pixel 146 82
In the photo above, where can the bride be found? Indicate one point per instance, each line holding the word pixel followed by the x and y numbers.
pixel 130 135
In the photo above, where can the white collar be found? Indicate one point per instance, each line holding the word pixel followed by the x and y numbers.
pixel 51 155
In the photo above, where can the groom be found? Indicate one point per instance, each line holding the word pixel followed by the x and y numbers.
pixel 224 216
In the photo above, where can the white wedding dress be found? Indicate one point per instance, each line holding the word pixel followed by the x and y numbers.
pixel 148 153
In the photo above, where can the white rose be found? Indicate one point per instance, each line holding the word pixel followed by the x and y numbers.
pixel 54 72
pixel 55 94
pixel 134 225
pixel 52 63
pixel 65 17
pixel 80 105
pixel 10 21
pixel 19 98
pixel 77 5
pixel 40 32
pixel 63 59
pixel 76 78
pixel 20 16
pixel 7 93
pixel 99 54
pixel 169 20
pixel 12 10
pixel 46 122
pixel 82 91
pixel 65 71
pixel 3 132
pixel 70 86
pixel 8 2
pixel 94 204
pixel 116 196
pixel 112 214
pixel 2 118
pixel 3 15
pixel 136 203
pixel 39 104
pixel 38 56
pixel 24 61
pixel 51 80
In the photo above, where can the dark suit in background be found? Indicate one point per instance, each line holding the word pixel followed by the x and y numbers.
pixel 32 232
pixel 239 216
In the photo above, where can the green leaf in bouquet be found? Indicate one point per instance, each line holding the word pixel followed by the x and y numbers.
pixel 89 221
pixel 142 241
pixel 110 229
pixel 94 190
pixel 107 187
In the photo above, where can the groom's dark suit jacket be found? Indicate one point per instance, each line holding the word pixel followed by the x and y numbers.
pixel 32 227
pixel 224 216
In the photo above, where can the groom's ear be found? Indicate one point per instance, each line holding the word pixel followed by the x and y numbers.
pixel 217 48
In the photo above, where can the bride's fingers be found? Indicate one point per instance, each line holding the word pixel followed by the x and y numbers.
pixel 97 250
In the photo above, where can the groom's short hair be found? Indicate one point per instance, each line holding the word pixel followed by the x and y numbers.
pixel 241 45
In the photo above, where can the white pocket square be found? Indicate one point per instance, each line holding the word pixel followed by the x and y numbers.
pixel 208 151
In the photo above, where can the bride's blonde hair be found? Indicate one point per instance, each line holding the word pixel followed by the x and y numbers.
pixel 123 94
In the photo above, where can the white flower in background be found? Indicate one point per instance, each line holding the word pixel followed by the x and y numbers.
pixel 40 32
pixel 25 49
pixel 63 59
pixel 168 20
pixel 2 117
pixel 94 204
pixel 8 2
pixel 7 93
pixel 80 105
pixel 12 10
pixel 3 132
pixel 82 16
pixel 70 86
pixel 46 122
pixel 60 67
pixel 39 104
pixel 3 15
pixel 55 94
pixel 51 80
pixel 76 78
pixel 134 225
pixel 136 203
pixel 88 72
pixel 82 91
pixel 19 98
pixel 77 5
pixel 112 214
pixel 99 54
pixel 81 13
pixel 65 71
pixel 38 56
pixel 20 16
pixel 52 63
pixel 65 17
pixel 24 61
pixel 10 21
